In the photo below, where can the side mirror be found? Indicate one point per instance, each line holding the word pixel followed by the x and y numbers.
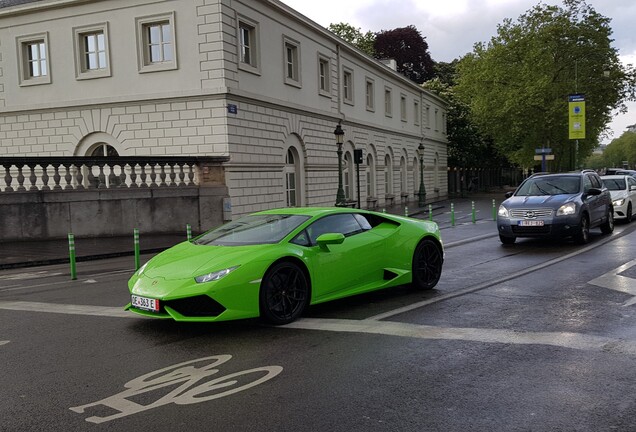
pixel 632 188
pixel 326 239
pixel 509 194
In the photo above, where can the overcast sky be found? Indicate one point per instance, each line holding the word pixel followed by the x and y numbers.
pixel 451 27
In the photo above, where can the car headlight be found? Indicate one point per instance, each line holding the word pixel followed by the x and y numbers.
pixel 215 276
pixel 142 268
pixel 503 212
pixel 566 209
pixel 619 202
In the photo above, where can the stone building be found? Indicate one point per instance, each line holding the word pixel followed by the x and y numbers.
pixel 250 80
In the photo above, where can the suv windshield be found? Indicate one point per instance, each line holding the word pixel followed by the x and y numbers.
pixel 553 185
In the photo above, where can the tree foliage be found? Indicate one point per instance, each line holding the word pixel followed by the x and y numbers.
pixel 409 49
pixel 362 41
pixel 466 145
pixel 517 85
pixel 620 150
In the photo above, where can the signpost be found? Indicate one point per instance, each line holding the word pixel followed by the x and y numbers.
pixel 543 154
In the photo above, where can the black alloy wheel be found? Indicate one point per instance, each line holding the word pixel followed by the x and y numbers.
pixel 608 226
pixel 583 236
pixel 428 259
pixel 284 293
pixel 629 213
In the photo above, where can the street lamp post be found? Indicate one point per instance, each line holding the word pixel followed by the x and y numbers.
pixel 339 133
pixel 422 192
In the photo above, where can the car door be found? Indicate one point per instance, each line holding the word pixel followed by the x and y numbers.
pixel 631 192
pixel 596 203
pixel 342 267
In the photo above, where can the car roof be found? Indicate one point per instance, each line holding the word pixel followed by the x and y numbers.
pixel 615 176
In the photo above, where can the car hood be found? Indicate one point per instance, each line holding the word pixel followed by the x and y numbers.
pixel 552 201
pixel 618 194
pixel 187 260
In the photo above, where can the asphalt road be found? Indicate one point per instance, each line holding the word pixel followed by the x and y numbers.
pixel 538 336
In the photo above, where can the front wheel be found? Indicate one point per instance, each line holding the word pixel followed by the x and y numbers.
pixel 583 236
pixel 428 259
pixel 284 293
pixel 629 213
pixel 507 240
pixel 608 226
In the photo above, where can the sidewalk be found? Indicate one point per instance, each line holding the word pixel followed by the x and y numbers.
pixel 36 253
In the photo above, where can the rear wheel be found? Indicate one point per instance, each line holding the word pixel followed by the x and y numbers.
pixel 428 259
pixel 507 240
pixel 284 293
pixel 583 236
pixel 608 226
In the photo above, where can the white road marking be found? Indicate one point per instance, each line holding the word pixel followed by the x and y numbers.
pixel 615 281
pixel 69 309
pixel 4 342
pixel 561 339
pixel 90 281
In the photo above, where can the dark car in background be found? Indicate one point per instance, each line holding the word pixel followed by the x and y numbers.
pixel 556 205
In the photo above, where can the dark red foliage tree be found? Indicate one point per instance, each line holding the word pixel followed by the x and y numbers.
pixel 409 49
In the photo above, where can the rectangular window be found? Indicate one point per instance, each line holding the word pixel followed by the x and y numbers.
pixel 248 53
pixel 156 43
pixel 388 108
pixel 33 59
pixel 347 86
pixel 370 94
pixel 291 53
pixel 416 113
pixel 91 51
pixel 324 70
pixel 403 107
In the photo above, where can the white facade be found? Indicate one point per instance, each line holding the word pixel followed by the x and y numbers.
pixel 250 79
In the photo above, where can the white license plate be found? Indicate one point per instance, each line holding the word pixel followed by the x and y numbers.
pixel 530 223
pixel 144 303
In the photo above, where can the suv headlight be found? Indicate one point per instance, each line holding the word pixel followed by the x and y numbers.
pixel 503 212
pixel 619 202
pixel 566 209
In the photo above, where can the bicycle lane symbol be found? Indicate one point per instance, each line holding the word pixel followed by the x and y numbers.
pixel 188 375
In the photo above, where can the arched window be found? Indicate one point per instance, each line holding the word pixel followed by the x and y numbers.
pixel 291 177
pixel 416 175
pixel 388 175
pixel 347 176
pixel 370 176
pixel 403 178
pixel 104 150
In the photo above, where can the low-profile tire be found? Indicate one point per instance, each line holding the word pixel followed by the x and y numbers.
pixel 284 293
pixel 629 215
pixel 608 226
pixel 583 235
pixel 507 240
pixel 428 259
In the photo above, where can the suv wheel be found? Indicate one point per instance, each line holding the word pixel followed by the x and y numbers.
pixel 507 240
pixel 608 226
pixel 583 236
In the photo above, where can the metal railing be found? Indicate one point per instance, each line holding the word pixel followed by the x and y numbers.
pixel 82 173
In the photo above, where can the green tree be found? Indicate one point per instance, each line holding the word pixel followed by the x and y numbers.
pixel 363 41
pixel 517 85
pixel 619 150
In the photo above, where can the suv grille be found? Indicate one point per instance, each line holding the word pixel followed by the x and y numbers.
pixel 531 213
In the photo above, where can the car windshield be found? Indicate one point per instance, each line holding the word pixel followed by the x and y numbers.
pixel 549 186
pixel 614 184
pixel 252 229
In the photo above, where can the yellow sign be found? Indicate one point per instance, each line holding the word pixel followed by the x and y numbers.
pixel 547 157
pixel 576 108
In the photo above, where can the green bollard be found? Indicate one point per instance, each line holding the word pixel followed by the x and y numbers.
pixel 189 232
pixel 383 210
pixel 452 214
pixel 71 252
pixel 473 211
pixel 136 237
pixel 430 212
pixel 494 211
pixel 406 211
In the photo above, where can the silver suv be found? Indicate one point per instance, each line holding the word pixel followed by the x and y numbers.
pixel 556 205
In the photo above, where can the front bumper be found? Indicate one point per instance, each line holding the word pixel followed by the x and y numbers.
pixel 552 227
